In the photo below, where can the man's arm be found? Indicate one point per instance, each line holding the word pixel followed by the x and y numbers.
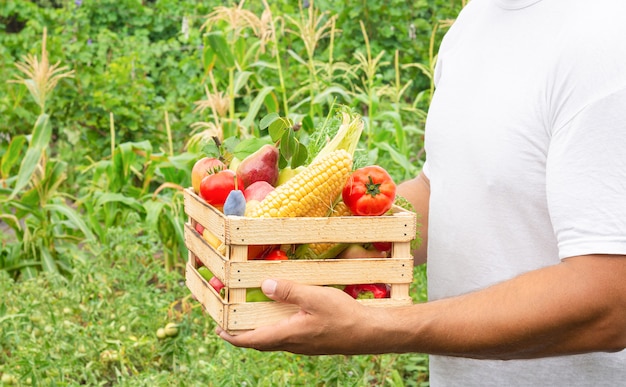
pixel 573 307
pixel 417 192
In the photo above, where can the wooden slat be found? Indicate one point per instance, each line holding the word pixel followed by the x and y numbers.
pixel 209 257
pixel 252 315
pixel 205 294
pixel 250 274
pixel 237 230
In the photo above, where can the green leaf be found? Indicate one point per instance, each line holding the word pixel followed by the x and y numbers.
pixel 74 218
pixel 288 144
pixel 278 127
pixel 12 155
pixel 153 210
pixel 300 156
pixel 47 262
pixel 241 78
pixel 42 133
pixel 118 198
pixel 249 146
pixel 220 46
pixel 267 120
pixel 255 106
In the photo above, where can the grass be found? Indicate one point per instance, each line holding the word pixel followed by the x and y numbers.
pixel 99 327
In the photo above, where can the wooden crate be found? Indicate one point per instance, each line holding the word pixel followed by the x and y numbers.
pixel 235 315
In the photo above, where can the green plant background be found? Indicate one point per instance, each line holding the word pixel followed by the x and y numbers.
pixel 91 246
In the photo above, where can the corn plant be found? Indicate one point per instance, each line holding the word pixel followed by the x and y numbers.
pixel 42 218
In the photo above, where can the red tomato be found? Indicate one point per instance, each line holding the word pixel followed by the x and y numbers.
pixel 369 191
pixel 382 246
pixel 276 255
pixel 216 187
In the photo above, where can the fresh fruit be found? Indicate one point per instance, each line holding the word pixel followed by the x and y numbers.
pixel 257 190
pixel 202 168
pixel 256 295
pixel 205 273
pixel 276 255
pixel 356 250
pixel 369 191
pixel 216 284
pixel 261 165
pixel 199 228
pixel 311 192
pixel 235 203
pixel 287 173
pixel 260 251
pixel 367 291
pixel 216 187
pixel 382 246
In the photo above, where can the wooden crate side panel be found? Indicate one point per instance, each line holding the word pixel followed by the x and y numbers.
pixel 206 295
pixel 252 315
pixel 401 290
pixel 207 254
pixel 400 227
pixel 250 274
pixel 208 216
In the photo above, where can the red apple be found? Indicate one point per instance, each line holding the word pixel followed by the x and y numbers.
pixel 257 190
pixel 204 167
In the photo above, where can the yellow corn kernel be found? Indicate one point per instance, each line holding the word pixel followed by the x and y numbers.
pixel 325 250
pixel 302 196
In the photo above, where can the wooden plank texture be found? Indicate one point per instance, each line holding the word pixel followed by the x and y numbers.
pixel 322 272
pixel 237 230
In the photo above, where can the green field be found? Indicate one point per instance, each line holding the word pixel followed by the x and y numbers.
pixel 104 108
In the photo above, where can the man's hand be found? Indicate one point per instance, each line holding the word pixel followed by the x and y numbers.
pixel 329 322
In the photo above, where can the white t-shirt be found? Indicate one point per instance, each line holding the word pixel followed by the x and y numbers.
pixel 526 155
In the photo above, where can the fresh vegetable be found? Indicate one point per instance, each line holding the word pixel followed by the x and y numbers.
pixel 324 250
pixel 256 295
pixel 367 291
pixel 260 251
pixel 216 187
pixel 235 203
pixel 346 138
pixel 311 192
pixel 205 273
pixel 202 168
pixel 276 255
pixel 216 284
pixel 382 246
pixel 369 191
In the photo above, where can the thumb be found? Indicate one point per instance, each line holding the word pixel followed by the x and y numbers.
pixel 286 291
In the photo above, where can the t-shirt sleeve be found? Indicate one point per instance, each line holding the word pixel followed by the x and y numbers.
pixel 586 179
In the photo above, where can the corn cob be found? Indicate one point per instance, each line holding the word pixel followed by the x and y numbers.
pixel 309 193
pixel 324 250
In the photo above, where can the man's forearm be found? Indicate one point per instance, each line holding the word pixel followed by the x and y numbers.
pixel 573 307
pixel 417 192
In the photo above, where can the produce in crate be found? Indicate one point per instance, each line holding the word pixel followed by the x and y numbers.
pixel 235 203
pixel 257 190
pixel 311 192
pixel 215 188
pixel 367 291
pixel 369 191
pixel 202 168
pixel 261 165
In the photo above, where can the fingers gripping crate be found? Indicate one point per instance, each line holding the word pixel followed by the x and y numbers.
pixel 230 263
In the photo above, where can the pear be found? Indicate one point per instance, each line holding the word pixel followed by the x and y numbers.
pixel 261 165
